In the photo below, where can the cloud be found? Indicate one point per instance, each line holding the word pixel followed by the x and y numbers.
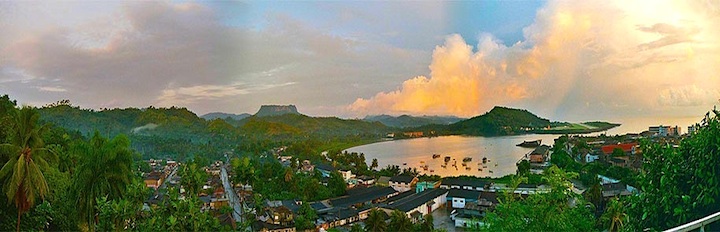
pixel 189 95
pixel 52 89
pixel 578 58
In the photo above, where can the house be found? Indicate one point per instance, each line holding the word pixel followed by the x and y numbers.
pixel 365 180
pixel 217 203
pixel 472 212
pixel 403 183
pixel 154 179
pixel 413 134
pixel 457 198
pixel 337 217
pixel 589 158
pixel 358 196
pixel 277 216
pixel 383 181
pixel 461 183
pixel 347 175
pixel 307 166
pixel 268 227
pixel 628 148
pixel 418 204
pixel 324 169
pixel 425 185
pixel 540 154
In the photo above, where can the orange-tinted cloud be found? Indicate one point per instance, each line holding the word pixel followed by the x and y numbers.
pixel 580 58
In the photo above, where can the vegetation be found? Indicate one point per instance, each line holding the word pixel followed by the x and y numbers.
pixel 407 121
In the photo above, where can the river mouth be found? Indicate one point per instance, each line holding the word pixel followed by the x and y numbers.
pixel 501 152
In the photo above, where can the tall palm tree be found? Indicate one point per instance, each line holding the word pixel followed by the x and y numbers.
pixel 400 222
pixel 24 181
pixel 104 171
pixel 376 221
pixel 615 215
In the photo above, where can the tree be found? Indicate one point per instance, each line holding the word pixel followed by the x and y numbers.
pixel 558 210
pixel 399 221
pixel 24 181
pixel 615 216
pixel 374 164
pixel 680 184
pixel 337 184
pixel 618 152
pixel 523 168
pixel 192 178
pixel 376 221
pixel 244 170
pixel 105 170
pixel 427 224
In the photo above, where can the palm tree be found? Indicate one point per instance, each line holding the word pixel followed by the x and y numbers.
pixel 376 221
pixel 400 222
pixel 615 215
pixel 24 181
pixel 104 171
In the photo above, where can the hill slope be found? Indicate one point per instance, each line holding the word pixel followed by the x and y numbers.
pixel 500 121
pixel 220 115
pixel 407 121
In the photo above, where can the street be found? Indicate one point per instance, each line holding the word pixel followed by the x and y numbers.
pixel 232 196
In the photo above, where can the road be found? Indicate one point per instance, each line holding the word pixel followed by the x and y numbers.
pixel 232 196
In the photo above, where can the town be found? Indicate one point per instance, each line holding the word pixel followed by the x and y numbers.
pixel 610 162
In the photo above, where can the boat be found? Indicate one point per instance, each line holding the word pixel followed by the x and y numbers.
pixel 435 156
pixel 485 159
pixel 491 171
pixel 484 166
pixel 495 164
pixel 404 164
pixel 432 170
pixel 425 167
pixel 534 143
pixel 467 159
pixel 480 169
pixel 443 166
pixel 467 168
pixel 422 162
pixel 447 159
pixel 464 164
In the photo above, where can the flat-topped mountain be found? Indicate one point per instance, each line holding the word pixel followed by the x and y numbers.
pixel 276 110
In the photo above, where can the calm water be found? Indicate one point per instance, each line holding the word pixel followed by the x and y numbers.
pixel 501 151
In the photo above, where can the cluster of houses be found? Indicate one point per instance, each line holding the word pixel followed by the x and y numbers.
pixel 212 194
pixel 468 199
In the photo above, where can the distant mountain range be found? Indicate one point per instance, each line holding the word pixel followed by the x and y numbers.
pixel 407 121
pixel 220 115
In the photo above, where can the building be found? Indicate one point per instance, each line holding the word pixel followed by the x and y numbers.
pixel 403 183
pixel 540 154
pixel 383 181
pixel 359 196
pixel 460 183
pixel 589 158
pixel 425 185
pixel 324 169
pixel 365 180
pixel 457 198
pixel 347 175
pixel 418 205
pixel 413 134
pixel 664 131
pixel 154 179
pixel 628 148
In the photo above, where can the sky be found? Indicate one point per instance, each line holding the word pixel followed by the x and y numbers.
pixel 564 60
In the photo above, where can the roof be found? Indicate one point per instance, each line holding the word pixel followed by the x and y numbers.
pixel 542 150
pixel 416 200
pixel 365 178
pixel 338 214
pixel 289 204
pixel 626 147
pixel 450 181
pixel 402 179
pixel 325 167
pixel 383 180
pixel 362 195
pixel 318 206
pixel 462 193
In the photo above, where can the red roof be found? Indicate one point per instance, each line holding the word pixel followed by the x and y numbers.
pixel 626 147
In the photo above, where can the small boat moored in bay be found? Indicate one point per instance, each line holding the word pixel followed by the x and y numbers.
pixel 534 143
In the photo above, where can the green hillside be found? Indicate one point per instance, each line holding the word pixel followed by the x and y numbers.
pixel 500 121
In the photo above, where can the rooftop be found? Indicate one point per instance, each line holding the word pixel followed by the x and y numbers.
pixel 413 201
pixel 402 179
pixel 463 182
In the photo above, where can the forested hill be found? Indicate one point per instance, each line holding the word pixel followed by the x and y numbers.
pixel 175 132
pixel 500 121
pixel 407 121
